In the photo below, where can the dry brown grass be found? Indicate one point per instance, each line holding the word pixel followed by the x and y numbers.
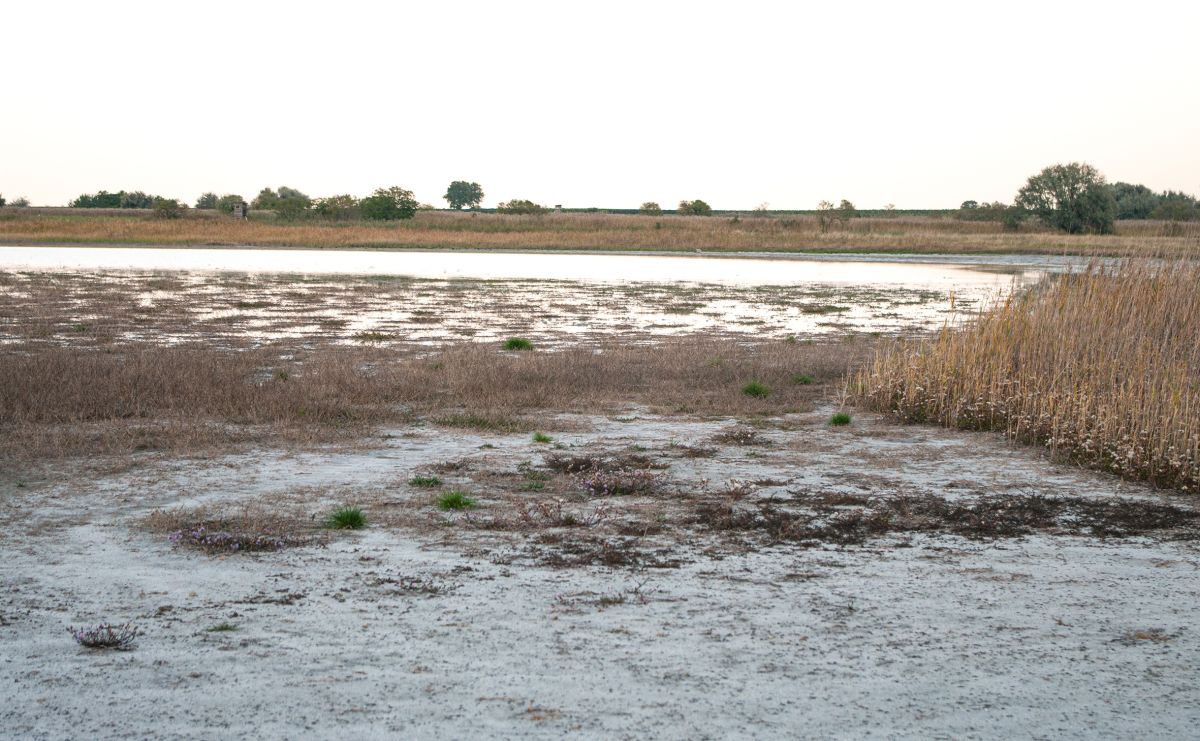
pixel 57 401
pixel 443 230
pixel 1101 367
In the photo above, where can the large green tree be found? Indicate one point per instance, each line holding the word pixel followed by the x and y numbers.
pixel 1072 197
pixel 1134 201
pixel 462 194
pixel 389 204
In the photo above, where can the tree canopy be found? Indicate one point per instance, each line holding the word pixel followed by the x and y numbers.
pixel 1072 197
pixel 120 199
pixel 695 208
pixel 462 194
pixel 521 206
pixel 389 204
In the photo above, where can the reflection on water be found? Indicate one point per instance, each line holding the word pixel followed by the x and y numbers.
pixel 510 265
pixel 108 295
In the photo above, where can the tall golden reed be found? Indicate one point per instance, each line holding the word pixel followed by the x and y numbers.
pixel 1101 367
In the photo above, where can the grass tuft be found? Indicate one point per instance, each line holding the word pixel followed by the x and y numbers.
pixel 455 500
pixel 517 343
pixel 424 482
pixel 222 628
pixel 346 518
pixel 802 379
pixel 756 389
pixel 541 437
pixel 839 419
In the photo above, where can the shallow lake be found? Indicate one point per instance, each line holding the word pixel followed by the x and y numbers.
pixel 178 294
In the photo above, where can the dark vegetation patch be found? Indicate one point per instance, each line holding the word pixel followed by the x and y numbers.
pixel 815 518
pixel 587 463
pixel 740 435
pixel 247 531
pixel 563 551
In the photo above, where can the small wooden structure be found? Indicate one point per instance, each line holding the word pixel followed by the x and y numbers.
pixel 240 209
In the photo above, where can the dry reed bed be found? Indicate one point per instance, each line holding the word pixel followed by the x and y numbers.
pixel 67 401
pixel 437 230
pixel 1101 367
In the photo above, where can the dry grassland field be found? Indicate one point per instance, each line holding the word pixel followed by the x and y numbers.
pixel 729 232
pixel 957 504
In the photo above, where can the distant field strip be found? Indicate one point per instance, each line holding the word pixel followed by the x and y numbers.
pixel 442 230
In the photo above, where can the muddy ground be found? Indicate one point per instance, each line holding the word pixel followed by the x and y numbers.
pixel 788 579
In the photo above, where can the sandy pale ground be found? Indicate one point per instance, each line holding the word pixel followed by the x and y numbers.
pixel 439 632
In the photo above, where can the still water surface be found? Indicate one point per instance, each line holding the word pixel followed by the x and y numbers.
pixel 515 265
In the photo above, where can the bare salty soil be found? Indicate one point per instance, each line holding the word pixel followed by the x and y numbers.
pixel 646 550
pixel 638 575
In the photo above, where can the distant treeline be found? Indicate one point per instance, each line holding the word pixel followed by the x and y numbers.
pixel 1073 197
pixel 1130 202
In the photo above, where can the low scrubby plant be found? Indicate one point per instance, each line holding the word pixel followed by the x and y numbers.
pixel 346 518
pixel 621 482
pixel 756 389
pixel 541 437
pixel 454 500
pixel 802 379
pixel 839 419
pixel 740 435
pixel 211 537
pixel 105 636
pixel 517 343
pixel 424 482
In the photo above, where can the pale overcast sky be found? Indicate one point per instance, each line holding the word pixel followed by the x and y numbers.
pixel 920 104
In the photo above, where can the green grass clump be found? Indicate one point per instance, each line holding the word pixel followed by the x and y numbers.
pixel 541 437
pixel 454 500
pixel 346 518
pixel 839 419
pixel 802 379
pixel 756 389
pixel 425 482
pixel 517 343
pixel 372 337
pixel 222 628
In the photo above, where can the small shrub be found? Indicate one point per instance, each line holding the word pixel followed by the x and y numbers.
pixel 214 538
pixel 346 518
pixel 740 435
pixel 167 208
pixel 541 437
pixel 802 379
pixel 454 500
pixel 839 419
pixel 105 636
pixel 621 482
pixel 424 482
pixel 520 206
pixel 371 337
pixel 518 344
pixel 756 389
